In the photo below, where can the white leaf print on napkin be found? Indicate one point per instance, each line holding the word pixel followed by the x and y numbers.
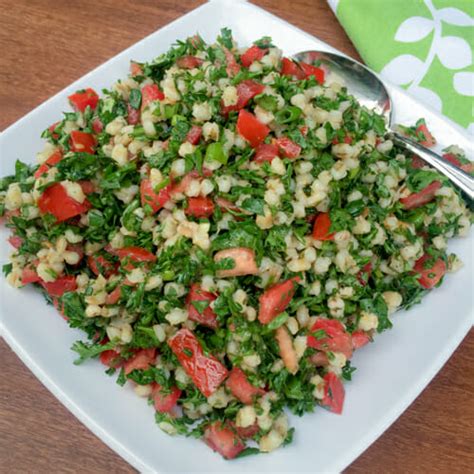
pixel 463 82
pixel 403 69
pixel 454 52
pixel 414 29
pixel 454 16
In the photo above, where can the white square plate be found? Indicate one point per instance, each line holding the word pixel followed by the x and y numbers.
pixel 391 373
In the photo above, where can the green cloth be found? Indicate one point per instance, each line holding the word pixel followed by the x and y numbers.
pixel 424 46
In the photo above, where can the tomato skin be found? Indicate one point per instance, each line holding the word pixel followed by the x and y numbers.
pixel 82 142
pixel 265 152
pixel 334 393
pixel 151 92
pixel 453 159
pixel 232 67
pixel 165 402
pixel 111 358
pixel 207 317
pixel 56 201
pixel 15 241
pixel 421 198
pixel 206 372
pixel 310 70
pixel 200 207
pixel 135 69
pixel 189 62
pixel 226 205
pixel 194 135
pixel 248 432
pixel 135 254
pixel 359 339
pixel 141 360
pixel 97 125
pixel 28 275
pixel 241 388
pixel 429 277
pixel 246 90
pixel 321 227
pixel 290 68
pixel 101 266
pixel 80 100
pixel 60 286
pixel 156 200
pixel 254 53
pixel 319 359
pixel 337 339
pixel 244 259
pixel 133 115
pixel 51 128
pixel 186 180
pixel 288 148
pixel 54 159
pixel 223 439
pixel 429 140
pixel 364 274
pixel 250 128
pixel 275 300
pixel 114 296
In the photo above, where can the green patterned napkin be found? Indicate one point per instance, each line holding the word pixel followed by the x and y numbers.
pixel 425 46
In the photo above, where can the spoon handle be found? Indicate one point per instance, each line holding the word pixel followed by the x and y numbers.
pixel 458 177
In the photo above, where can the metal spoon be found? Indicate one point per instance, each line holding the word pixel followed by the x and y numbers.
pixel 371 93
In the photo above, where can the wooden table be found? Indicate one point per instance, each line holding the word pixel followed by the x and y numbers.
pixel 45 45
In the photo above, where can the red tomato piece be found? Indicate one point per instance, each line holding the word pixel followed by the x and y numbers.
pixel 81 99
pixel 206 372
pixel 111 358
pixel 244 262
pixel 97 125
pixel 250 128
pixel 133 115
pixel 207 317
pixel 28 275
pixel 265 152
pixel 186 180
pixel 426 138
pixel 223 439
pixel 151 92
pixel 364 274
pixel 331 337
pixel 232 67
pixel 347 139
pixel 140 361
pixel 359 339
pixel 136 254
pixel 334 393
pixel 288 148
pixel 54 159
pixel 114 296
pixel 82 142
pixel 226 205
pixel 56 201
pixel 101 266
pixel 200 207
pixel 421 198
pixel 194 135
pixel 254 53
pixel 15 241
pixel 290 68
pixel 135 69
pixel 87 186
pixel 322 225
pixel 241 388
pixel 51 128
pixel 304 130
pixel 189 62
pixel 248 432
pixel 429 277
pixel 60 286
pixel 453 159
pixel 310 70
pixel 246 90
pixel 319 359
pixel 275 300
pixel 165 400
pixel 156 200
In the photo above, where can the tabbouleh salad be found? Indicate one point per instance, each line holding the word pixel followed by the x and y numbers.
pixel 228 226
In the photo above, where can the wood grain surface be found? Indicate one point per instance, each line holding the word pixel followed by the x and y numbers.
pixel 47 44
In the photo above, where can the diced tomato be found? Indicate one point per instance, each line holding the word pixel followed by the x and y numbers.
pixel 206 372
pixel 114 296
pixel 290 68
pixel 101 266
pixel 189 62
pixel 51 128
pixel 334 393
pixel 56 201
pixel 207 317
pixel 287 351
pixel 188 178
pixel 82 142
pixel 88 187
pixel 15 241
pixel 330 337
pixel 223 439
pixel 156 200
pixel 151 92
pixel 347 139
pixel 250 128
pixel 304 130
pixel 244 262
pixel 429 277
pixel 232 67
pixel 364 274
pixel 165 400
pixel 248 432
pixel 453 159
pixel 133 115
pixel 319 359
pixel 53 159
pixel 288 148
pixel 135 69
pixel 194 135
pixel 226 205
pixel 111 358
pixel 310 70
pixel 417 162
pixel 421 198
pixel 428 139
pixel 265 152
pixel 359 339
pixel 140 361
pixel 136 254
pixel 241 388
pixel 200 207
pixel 275 300
pixel 28 275
pixel 246 90
pixel 97 125
pixel 254 53
pixel 81 99
pixel 321 227
pixel 60 286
